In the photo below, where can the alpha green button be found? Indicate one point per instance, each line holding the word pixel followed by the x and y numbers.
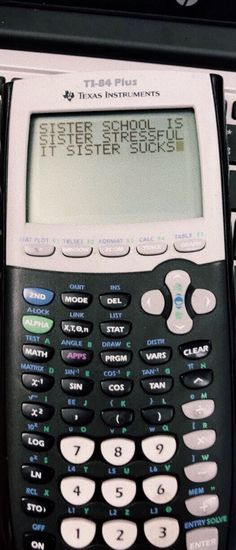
pixel 37 324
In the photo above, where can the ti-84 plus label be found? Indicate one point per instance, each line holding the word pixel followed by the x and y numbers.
pixel 114 167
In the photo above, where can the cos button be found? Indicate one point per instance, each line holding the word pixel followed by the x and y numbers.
pixel 33 541
pixel 117 388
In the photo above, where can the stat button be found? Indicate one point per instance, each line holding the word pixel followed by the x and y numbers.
pixel 115 329
pixel 35 541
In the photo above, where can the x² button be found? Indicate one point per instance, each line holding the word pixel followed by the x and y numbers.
pixel 37 410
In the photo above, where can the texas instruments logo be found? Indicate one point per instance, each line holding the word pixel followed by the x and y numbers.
pixel 187 3
pixel 68 95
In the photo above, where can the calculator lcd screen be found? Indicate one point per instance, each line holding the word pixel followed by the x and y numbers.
pixel 113 168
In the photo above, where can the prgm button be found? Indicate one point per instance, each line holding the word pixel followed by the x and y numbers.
pixel 35 541
pixel 38 296
pixel 118 300
pixel 117 358
pixel 195 350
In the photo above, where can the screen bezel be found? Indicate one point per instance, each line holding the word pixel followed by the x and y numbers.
pixel 47 94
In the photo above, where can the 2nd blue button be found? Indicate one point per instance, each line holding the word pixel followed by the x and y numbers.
pixel 38 296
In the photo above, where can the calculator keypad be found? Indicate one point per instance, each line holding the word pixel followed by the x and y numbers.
pixel 118 403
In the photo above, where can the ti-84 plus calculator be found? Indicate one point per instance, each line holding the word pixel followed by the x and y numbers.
pixel 118 313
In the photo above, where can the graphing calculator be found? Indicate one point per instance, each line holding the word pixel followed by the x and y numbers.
pixel 118 308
